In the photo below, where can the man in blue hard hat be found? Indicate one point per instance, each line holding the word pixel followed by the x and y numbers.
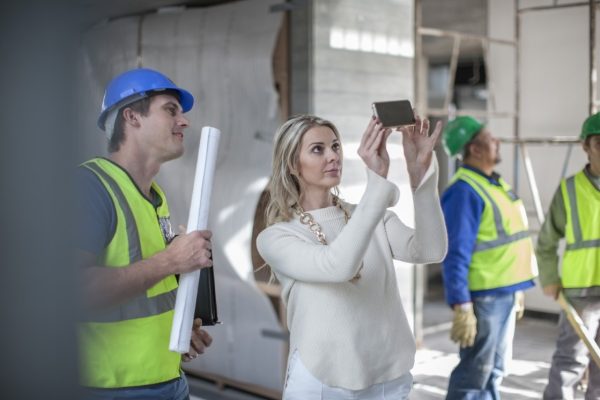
pixel 490 260
pixel 127 249
pixel 574 215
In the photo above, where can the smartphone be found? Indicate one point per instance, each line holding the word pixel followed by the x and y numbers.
pixel 394 113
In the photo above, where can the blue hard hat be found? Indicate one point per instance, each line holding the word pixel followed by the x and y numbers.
pixel 136 84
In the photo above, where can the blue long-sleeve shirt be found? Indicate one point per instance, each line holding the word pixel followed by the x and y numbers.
pixel 463 207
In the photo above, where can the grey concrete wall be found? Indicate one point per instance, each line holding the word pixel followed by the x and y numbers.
pixel 363 52
pixel 39 300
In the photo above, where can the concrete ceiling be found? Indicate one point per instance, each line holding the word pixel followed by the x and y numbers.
pixel 464 16
pixel 95 11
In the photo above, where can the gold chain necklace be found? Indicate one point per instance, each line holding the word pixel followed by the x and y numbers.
pixel 307 219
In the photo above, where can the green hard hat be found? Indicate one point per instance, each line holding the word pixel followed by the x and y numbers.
pixel 459 132
pixel 591 126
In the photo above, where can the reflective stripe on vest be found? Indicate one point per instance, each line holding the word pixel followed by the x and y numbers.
pixel 135 251
pixel 502 237
pixel 142 305
pixel 579 242
pixel 503 252
pixel 581 260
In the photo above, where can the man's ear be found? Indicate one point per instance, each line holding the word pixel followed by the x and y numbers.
pixel 585 144
pixel 131 117
pixel 474 150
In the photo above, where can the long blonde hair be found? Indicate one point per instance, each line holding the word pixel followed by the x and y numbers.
pixel 284 186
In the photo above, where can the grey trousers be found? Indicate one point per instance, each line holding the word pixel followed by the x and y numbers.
pixel 571 357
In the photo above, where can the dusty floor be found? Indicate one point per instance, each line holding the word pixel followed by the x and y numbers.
pixel 532 351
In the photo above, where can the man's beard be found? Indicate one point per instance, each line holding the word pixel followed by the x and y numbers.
pixel 497 159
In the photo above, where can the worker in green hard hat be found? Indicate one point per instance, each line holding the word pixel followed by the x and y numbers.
pixel 575 215
pixel 490 260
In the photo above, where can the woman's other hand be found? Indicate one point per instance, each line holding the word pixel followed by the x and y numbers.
pixel 418 148
pixel 373 150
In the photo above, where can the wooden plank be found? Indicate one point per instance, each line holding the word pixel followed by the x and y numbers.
pixel 580 328
pixel 222 382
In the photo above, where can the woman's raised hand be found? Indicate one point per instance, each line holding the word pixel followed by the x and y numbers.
pixel 373 150
pixel 418 148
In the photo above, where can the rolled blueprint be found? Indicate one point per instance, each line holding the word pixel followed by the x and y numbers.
pixel 185 303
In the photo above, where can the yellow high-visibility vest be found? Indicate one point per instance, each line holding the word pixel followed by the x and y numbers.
pixel 503 254
pixel 128 345
pixel 581 261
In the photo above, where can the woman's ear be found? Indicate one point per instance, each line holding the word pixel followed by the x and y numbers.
pixel 294 171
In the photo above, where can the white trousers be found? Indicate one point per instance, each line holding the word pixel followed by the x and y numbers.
pixel 302 385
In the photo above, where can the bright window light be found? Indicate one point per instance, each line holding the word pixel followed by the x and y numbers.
pixel 407 49
pixel 336 38
pixel 393 47
pixel 351 40
pixel 366 42
pixel 380 44
pixel 370 42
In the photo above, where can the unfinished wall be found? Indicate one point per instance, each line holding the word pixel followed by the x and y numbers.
pixel 553 96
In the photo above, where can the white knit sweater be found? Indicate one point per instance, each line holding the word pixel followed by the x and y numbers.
pixel 354 334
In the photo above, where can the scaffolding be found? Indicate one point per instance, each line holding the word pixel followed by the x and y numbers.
pixel 520 143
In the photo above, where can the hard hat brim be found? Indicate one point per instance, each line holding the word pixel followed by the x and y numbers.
pixel 186 100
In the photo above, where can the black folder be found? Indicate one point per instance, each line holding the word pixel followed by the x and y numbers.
pixel 206 300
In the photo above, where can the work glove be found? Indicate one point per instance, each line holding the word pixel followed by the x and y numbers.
pixel 519 304
pixel 464 325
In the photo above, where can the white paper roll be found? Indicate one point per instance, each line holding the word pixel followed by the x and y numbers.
pixel 185 304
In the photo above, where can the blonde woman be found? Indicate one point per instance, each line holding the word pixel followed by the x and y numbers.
pixel 349 336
